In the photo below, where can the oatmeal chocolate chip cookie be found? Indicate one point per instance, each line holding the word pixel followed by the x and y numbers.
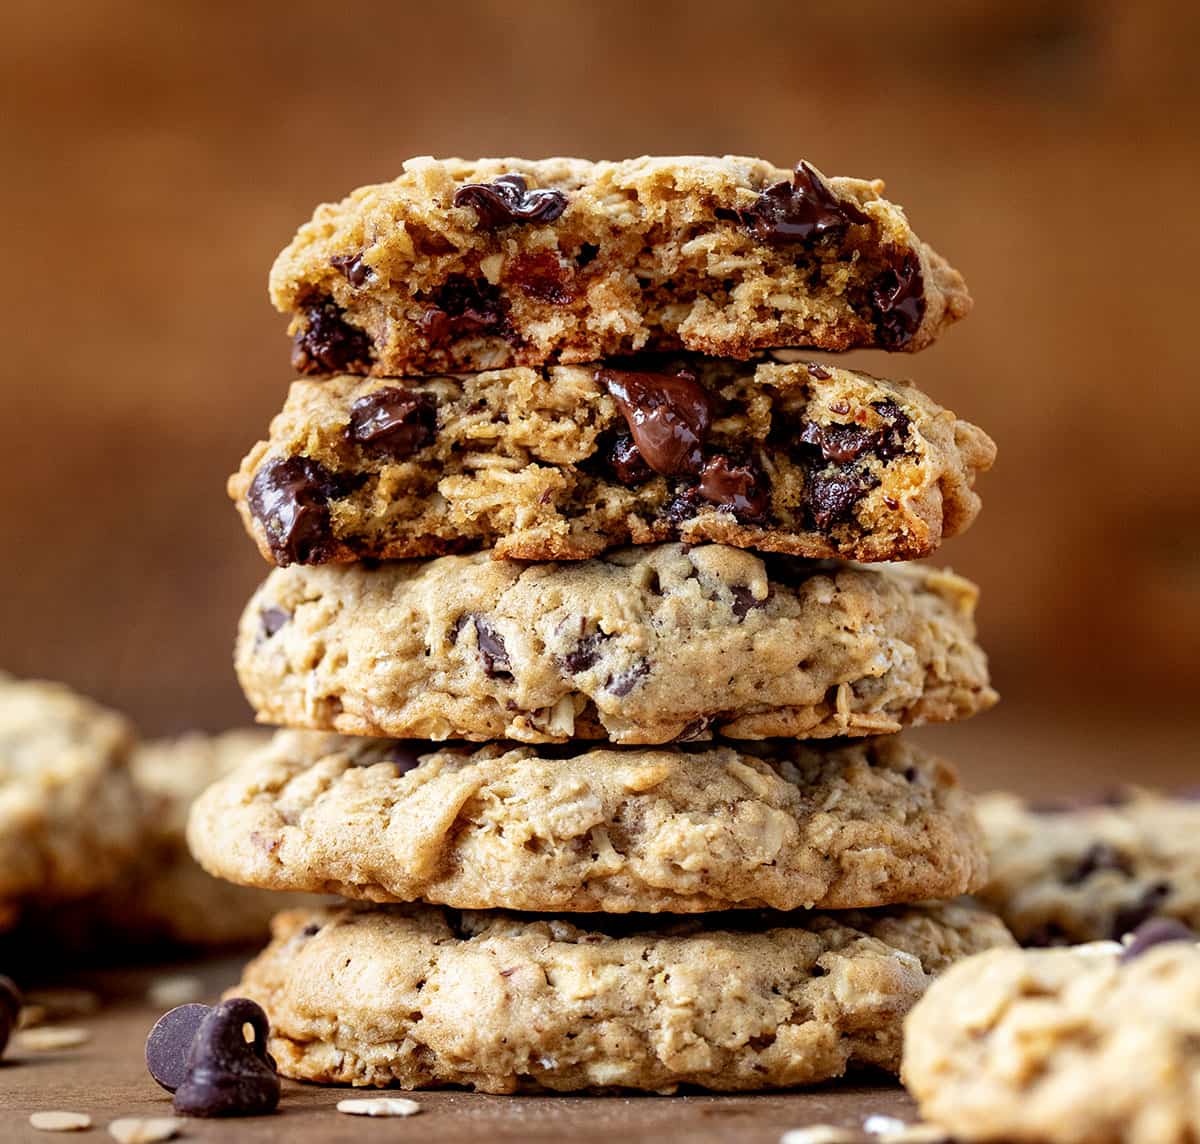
pixel 70 817
pixel 1088 1045
pixel 1079 872
pixel 565 462
pixel 423 996
pixel 465 266
pixel 784 825
pixel 644 645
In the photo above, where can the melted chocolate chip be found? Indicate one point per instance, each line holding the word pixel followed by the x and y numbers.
pixel 585 653
pixel 507 200
pixel 839 443
pixel 169 1041
pixel 799 211
pixel 541 276
pixel 327 343
pixel 627 462
pixel 353 269
pixel 624 682
pixel 1096 858
pixel 491 650
pixel 831 497
pixel 10 1009
pixel 271 620
pixel 1129 917
pixel 738 489
pixel 226 1075
pixel 465 306
pixel 898 299
pixel 394 422
pixel 668 415
pixel 1156 931
pixel 892 440
pixel 744 601
pixel 290 497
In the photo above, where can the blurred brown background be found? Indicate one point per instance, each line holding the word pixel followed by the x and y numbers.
pixel 157 156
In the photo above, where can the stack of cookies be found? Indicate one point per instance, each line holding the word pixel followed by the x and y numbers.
pixel 589 711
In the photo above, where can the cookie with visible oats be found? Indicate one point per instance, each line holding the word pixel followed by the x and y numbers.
pixel 707 827
pixel 422 996
pixel 460 266
pixel 644 645
pixel 565 462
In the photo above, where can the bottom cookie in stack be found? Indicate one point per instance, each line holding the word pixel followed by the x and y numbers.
pixel 563 997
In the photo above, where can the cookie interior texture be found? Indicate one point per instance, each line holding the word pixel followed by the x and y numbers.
pixel 1072 1045
pixel 567 461
pixel 1078 872
pixel 645 645
pixel 422 996
pixel 701 827
pixel 722 256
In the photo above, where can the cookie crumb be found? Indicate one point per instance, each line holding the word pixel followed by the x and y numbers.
pixel 144 1130
pixel 51 1038
pixel 379 1106
pixel 821 1134
pixel 60 1121
pixel 178 989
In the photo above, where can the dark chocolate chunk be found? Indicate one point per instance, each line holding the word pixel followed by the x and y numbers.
pixel 169 1041
pixel 507 200
pixel 272 619
pixel 491 650
pixel 541 276
pixel 799 211
pixel 818 371
pixel 739 489
pixel 624 682
pixel 667 414
pixel 627 463
pixel 893 439
pixel 465 306
pixel 744 601
pixel 352 268
pixel 290 497
pixel 585 653
pixel 1156 931
pixel 10 1009
pixel 898 300
pixel 327 343
pixel 225 1074
pixel 839 443
pixel 1144 907
pixel 1097 857
pixel 831 497
pixel 394 422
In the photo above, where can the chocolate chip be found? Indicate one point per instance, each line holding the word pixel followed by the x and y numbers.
pixel 507 200
pixel 169 1041
pixel 831 497
pixel 1097 857
pixel 623 683
pixel 668 415
pixel 1156 931
pixel 327 343
pixel 491 650
pixel 394 422
pixel 271 620
pixel 817 371
pixel 839 443
pixel 1129 917
pixel 738 489
pixel 892 440
pixel 225 1075
pixel 694 729
pixel 310 930
pixel 10 1009
pixel 586 254
pixel 627 463
pixel 290 497
pixel 744 601
pixel 353 269
pixel 898 299
pixel 804 209
pixel 540 276
pixel 464 306
pixel 585 653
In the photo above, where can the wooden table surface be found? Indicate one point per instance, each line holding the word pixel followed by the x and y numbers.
pixel 107 1079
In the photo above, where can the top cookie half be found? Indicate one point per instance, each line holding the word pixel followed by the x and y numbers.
pixel 465 266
